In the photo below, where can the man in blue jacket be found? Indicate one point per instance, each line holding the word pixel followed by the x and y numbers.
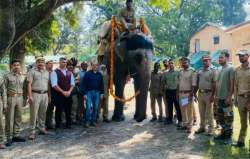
pixel 93 92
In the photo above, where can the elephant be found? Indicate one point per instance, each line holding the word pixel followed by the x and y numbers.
pixel 133 57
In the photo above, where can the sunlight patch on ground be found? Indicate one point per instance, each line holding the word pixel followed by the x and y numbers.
pixel 136 140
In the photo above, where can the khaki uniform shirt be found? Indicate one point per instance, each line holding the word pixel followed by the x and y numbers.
pixel 129 16
pixel 170 79
pixel 39 79
pixel 242 80
pixel 155 87
pixel 3 95
pixel 188 78
pixel 207 78
pixel 14 83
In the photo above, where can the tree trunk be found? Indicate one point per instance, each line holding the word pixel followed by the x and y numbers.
pixel 18 52
pixel 11 32
pixel 7 25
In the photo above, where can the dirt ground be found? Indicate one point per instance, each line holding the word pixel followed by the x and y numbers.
pixel 123 140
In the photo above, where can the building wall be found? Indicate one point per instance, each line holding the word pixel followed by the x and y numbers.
pixel 241 41
pixel 206 37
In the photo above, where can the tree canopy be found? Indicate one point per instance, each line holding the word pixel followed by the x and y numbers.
pixel 44 26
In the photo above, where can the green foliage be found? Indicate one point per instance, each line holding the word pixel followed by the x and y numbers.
pixel 42 38
pixel 165 5
pixel 172 30
pixel 52 36
pixel 233 11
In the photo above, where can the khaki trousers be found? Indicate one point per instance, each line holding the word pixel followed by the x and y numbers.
pixel 13 116
pixel 38 110
pixel 244 116
pixel 186 111
pixel 2 134
pixel 49 114
pixel 153 99
pixel 206 111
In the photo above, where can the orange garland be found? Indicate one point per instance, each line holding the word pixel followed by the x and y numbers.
pixel 144 27
pixel 111 83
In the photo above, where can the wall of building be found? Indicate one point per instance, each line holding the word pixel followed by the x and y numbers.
pixel 206 37
pixel 241 41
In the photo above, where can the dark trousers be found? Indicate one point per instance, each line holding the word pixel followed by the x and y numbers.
pixel 49 114
pixel 172 100
pixel 63 104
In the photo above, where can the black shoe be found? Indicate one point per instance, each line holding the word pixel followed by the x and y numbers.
pixel 8 143
pixel 74 123
pixel 182 128
pixel 168 122
pixel 18 139
pixel 86 125
pixel 118 119
pixel 153 119
pixel 68 127
pixel 220 137
pixel 49 127
pixel 238 144
pixel 106 121
pixel 160 119
pixel 93 124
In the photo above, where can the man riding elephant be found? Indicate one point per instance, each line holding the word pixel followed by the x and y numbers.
pixel 127 16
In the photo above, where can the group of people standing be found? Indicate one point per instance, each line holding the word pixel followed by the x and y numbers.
pixel 215 91
pixel 80 95
pixel 77 95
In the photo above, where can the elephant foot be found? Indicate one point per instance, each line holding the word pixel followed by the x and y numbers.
pixel 140 119
pixel 118 119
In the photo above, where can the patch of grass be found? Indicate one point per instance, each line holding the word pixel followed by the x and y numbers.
pixel 218 150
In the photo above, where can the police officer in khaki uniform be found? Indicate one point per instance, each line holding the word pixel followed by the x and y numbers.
pixel 3 103
pixel 186 90
pixel 127 16
pixel 38 88
pixel 14 84
pixel 155 90
pixel 242 95
pixel 105 100
pixel 206 86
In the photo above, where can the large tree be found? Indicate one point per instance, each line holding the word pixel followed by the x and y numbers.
pixel 233 11
pixel 17 18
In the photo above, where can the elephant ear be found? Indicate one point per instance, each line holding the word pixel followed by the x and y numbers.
pixel 121 49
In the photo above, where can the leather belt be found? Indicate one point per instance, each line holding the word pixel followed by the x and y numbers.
pixel 244 95
pixel 185 92
pixel 13 94
pixel 39 92
pixel 205 90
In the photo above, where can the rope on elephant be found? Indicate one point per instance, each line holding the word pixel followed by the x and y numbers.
pixel 112 61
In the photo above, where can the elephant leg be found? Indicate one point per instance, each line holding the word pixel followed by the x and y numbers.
pixel 119 91
pixel 141 99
